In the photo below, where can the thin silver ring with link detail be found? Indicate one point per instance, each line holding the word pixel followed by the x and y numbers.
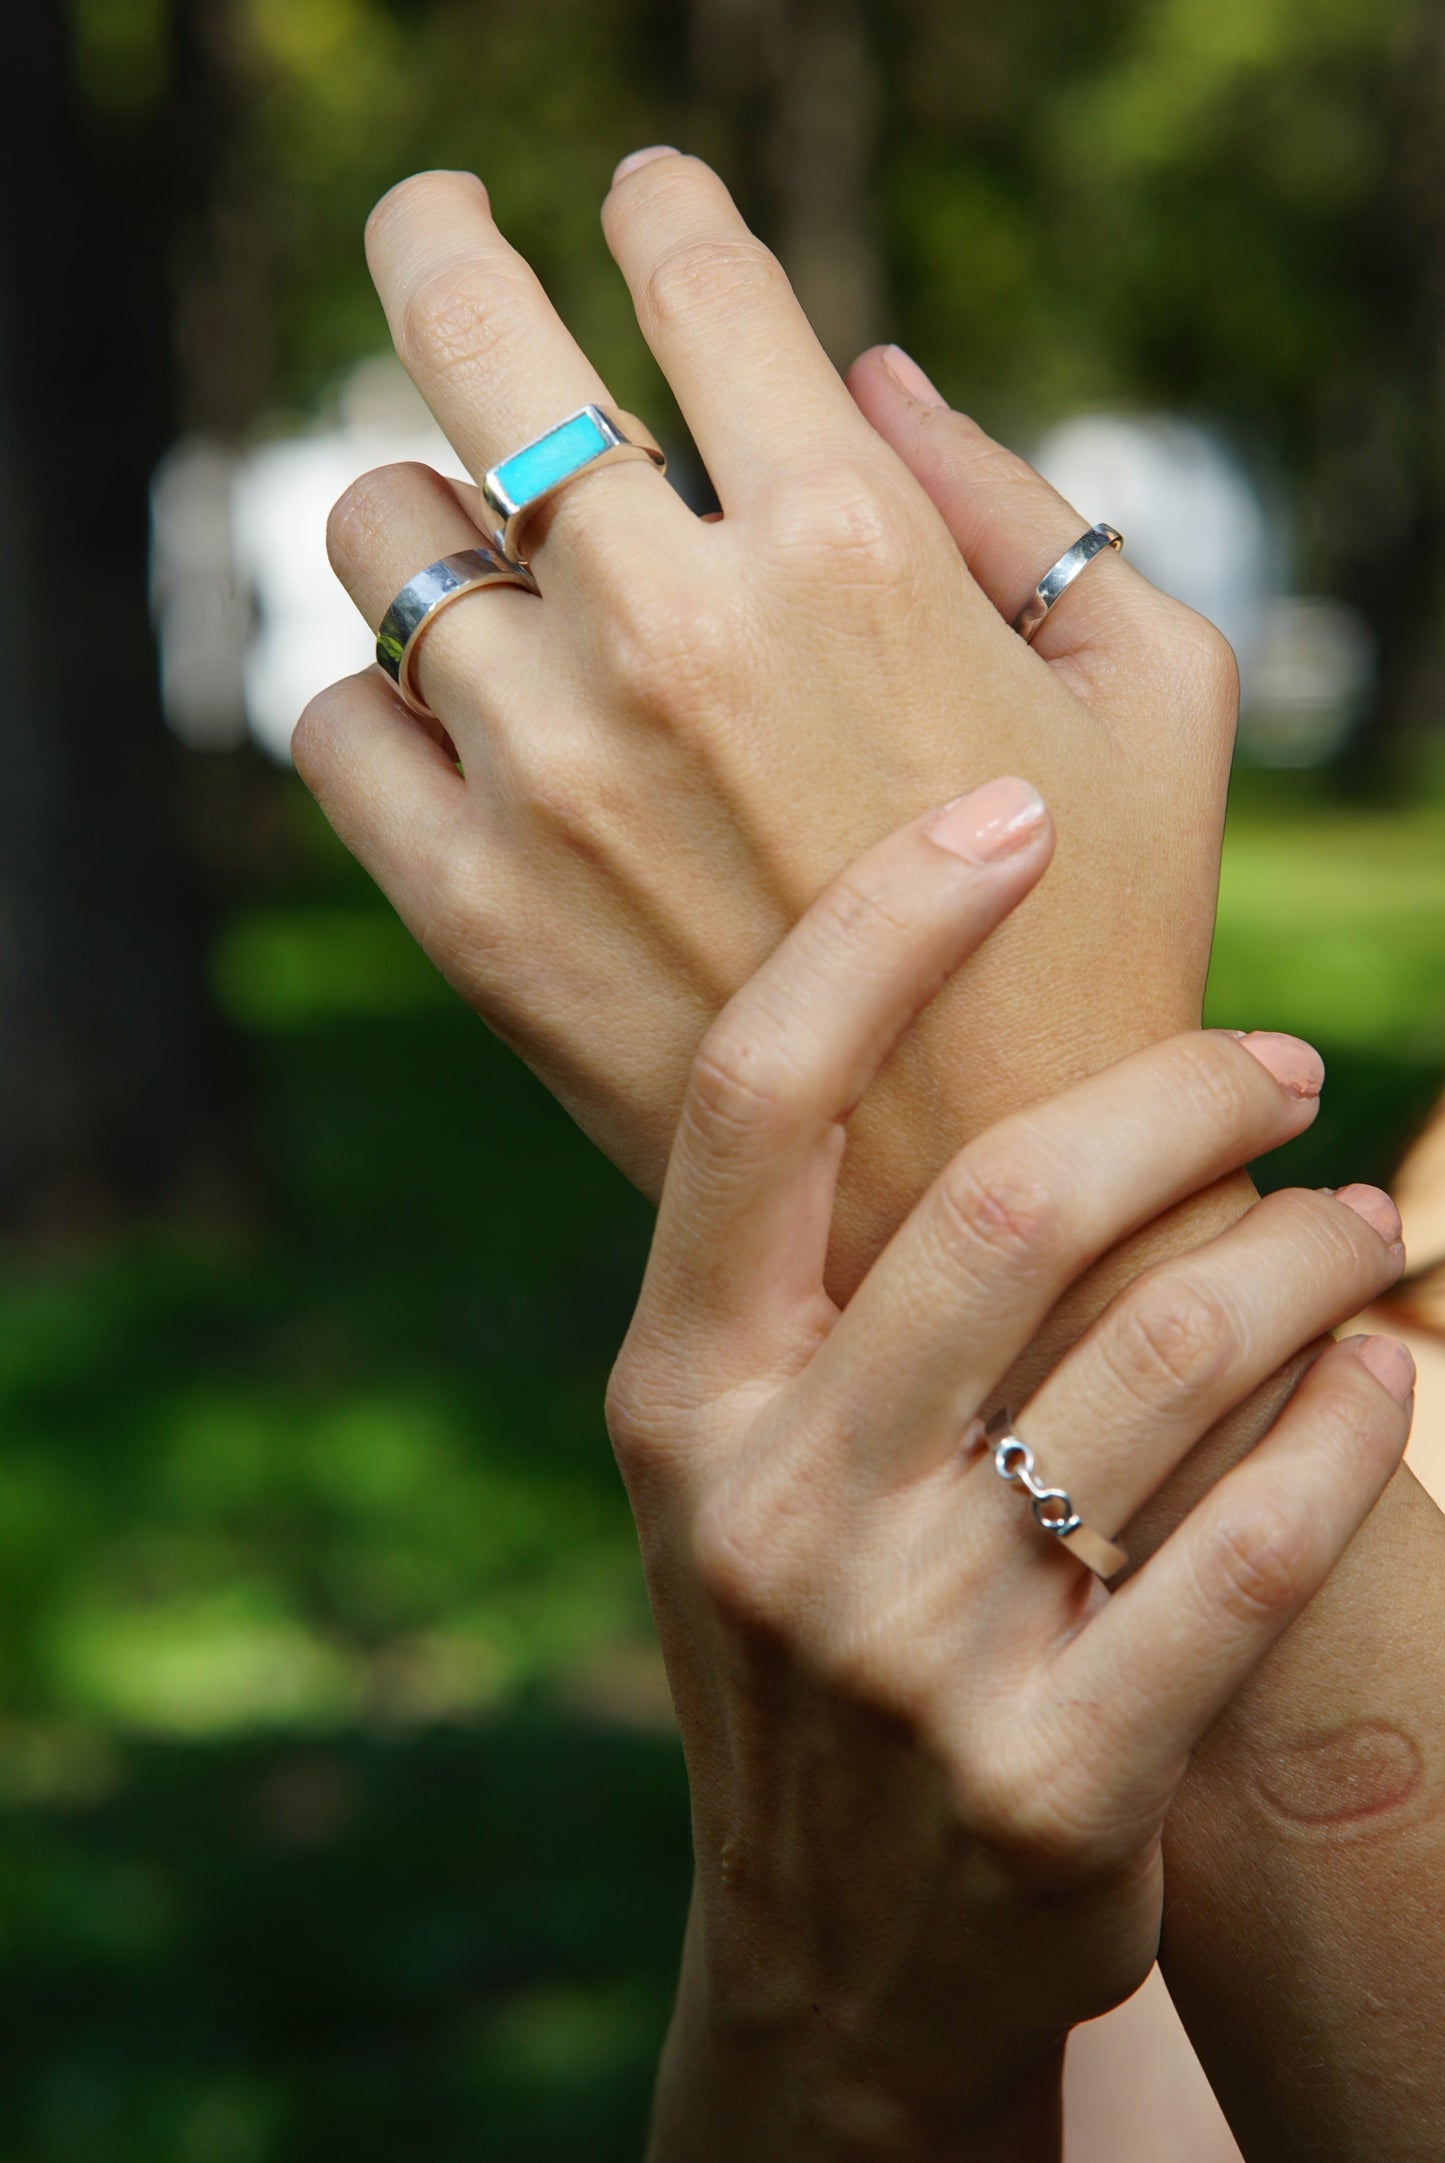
pixel 421 598
pixel 1061 575
pixel 1053 1509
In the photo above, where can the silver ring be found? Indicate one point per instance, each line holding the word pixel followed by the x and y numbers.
pixel 1062 575
pixel 1053 1510
pixel 422 597
pixel 593 436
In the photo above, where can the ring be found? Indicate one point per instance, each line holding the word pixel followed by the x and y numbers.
pixel 1056 581
pixel 1054 1512
pixel 423 597
pixel 592 437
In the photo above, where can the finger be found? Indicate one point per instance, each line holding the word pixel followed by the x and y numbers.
pixel 1193 1337
pixel 1024 1209
pixel 492 359
pixel 1009 524
pixel 392 794
pixel 1163 1656
pixel 754 385
pixel 392 523
pixel 742 1233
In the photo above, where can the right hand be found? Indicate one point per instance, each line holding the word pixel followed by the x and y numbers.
pixel 699 724
pixel 931 1756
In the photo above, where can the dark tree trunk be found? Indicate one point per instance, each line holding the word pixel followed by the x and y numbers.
pixel 1383 496
pixel 791 83
pixel 113 1073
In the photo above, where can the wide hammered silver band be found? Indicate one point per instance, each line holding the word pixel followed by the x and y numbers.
pixel 1057 580
pixel 423 597
pixel 1052 1508
pixel 593 436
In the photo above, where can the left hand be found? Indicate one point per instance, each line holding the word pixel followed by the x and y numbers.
pixel 698 725
pixel 930 1756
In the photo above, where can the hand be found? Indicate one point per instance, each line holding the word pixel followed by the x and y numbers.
pixel 930 1756
pixel 668 755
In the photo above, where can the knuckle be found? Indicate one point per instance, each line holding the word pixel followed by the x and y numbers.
pixel 734 1556
pixel 1219 1088
pixel 994 1210
pixel 460 314
pixel 314 737
pixel 1173 1334
pixel 742 1082
pixel 458 925
pixel 878 1670
pixel 719 273
pixel 562 793
pixel 417 194
pixel 1211 660
pixel 357 522
pixel 858 919
pixel 1027 1811
pixel 663 640
pixel 1257 1563
pixel 641 1425
pixel 849 522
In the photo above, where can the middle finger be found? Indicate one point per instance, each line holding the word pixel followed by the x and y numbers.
pixel 490 355
pixel 1193 1337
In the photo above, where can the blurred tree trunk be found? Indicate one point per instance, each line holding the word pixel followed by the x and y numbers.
pixel 793 82
pixel 1383 500
pixel 113 1077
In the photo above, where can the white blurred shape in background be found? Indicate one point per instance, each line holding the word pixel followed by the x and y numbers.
pixel 1196 525
pixel 251 618
pixel 252 621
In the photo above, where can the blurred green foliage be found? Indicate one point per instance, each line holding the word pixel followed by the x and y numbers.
pixel 339 1808
pixel 340 1814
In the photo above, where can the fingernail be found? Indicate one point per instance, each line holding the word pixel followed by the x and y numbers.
pixel 997 820
pixel 909 377
pixel 1295 1065
pixel 635 158
pixel 1388 1362
pixel 1375 1206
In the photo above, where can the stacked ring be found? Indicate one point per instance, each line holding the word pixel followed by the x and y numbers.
pixel 1053 1511
pixel 591 437
pixel 420 601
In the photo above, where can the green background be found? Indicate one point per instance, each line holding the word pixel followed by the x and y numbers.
pixel 340 1812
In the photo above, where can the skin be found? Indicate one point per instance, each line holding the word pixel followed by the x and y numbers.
pixel 865 1656
pixel 668 755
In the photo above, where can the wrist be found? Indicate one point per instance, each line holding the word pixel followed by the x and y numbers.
pixel 799 2088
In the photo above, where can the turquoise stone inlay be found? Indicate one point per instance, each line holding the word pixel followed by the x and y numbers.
pixel 552 458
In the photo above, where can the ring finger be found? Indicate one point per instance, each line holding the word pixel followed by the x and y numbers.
pixel 392 523
pixel 1190 1339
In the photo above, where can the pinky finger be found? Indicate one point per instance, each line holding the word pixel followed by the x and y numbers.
pixel 1176 1641
pixel 387 786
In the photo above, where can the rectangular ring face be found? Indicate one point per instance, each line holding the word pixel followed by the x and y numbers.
pixel 564 450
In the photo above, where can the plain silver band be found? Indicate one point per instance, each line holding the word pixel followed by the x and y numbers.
pixel 1057 580
pixel 1014 1461
pixel 441 583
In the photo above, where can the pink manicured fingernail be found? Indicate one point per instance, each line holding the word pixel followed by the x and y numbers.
pixel 1375 1206
pixel 1295 1065
pixel 636 158
pixel 997 820
pixel 1388 1362
pixel 909 377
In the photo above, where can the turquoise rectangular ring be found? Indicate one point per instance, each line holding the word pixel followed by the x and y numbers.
pixel 594 436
